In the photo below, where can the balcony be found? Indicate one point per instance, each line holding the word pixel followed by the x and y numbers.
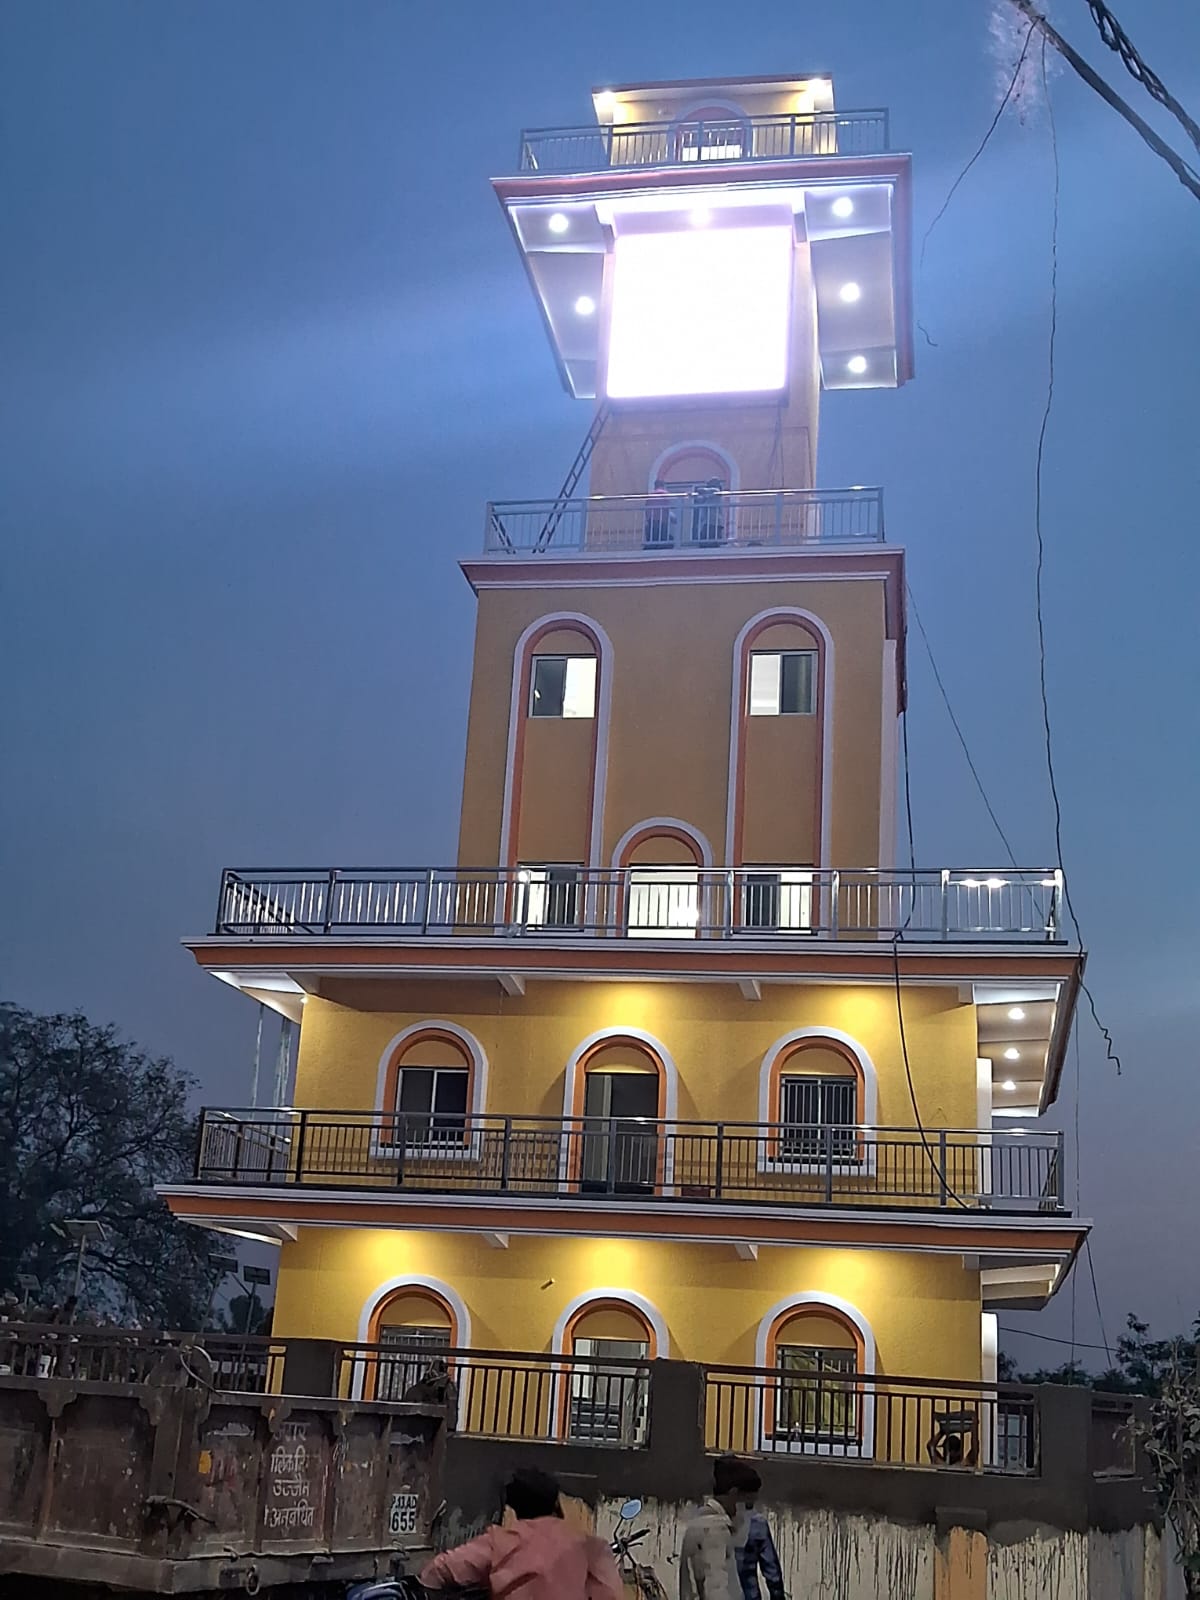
pixel 799 137
pixel 700 520
pixel 680 1164
pixel 741 904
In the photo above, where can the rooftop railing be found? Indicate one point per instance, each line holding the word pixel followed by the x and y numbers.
pixel 770 904
pixel 786 1164
pixel 711 139
pixel 695 520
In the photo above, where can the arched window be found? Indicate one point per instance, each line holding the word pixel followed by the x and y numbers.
pixel 413 1325
pixel 686 505
pixel 432 1083
pixel 819 1346
pixel 818 1090
pixel 664 896
pixel 712 132
pixel 610 1335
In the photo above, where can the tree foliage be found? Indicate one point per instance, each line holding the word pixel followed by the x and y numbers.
pixel 88 1125
pixel 1141 1365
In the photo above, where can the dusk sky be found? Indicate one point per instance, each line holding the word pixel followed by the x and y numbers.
pixel 267 349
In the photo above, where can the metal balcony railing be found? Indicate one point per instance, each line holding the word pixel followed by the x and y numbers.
pixel 636 1159
pixel 229 1362
pixel 710 139
pixel 772 904
pixel 847 1415
pixel 697 520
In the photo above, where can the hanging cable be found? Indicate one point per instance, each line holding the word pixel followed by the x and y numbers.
pixel 1051 1338
pixel 1110 1051
pixel 1087 1245
pixel 912 600
pixel 1117 39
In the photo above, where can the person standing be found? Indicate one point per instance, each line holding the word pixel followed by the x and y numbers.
pixel 538 1558
pixel 758 1554
pixel 708 1568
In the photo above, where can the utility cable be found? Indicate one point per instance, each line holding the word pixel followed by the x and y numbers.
pixel 912 600
pixel 1115 37
pixel 1187 175
pixel 1110 1051
pixel 1051 1338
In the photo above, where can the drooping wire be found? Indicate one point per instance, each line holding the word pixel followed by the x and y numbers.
pixel 1110 1051
pixel 1087 1245
pixel 958 729
pixel 983 144
pixel 1052 1338
pixel 938 1170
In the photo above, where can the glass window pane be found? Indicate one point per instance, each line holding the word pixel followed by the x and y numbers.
pixel 764 683
pixel 549 686
pixel 797 682
pixel 416 1089
pixel 579 694
pixel 450 1092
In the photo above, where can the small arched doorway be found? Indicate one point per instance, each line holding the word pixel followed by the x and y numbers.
pixel 621 1085
pixel 819 1347
pixel 663 892
pixel 609 1340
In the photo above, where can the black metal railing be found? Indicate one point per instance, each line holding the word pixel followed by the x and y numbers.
pixel 568 1399
pixel 802 135
pixel 898 1422
pixel 767 903
pixel 228 1362
pixel 597 1158
pixel 701 519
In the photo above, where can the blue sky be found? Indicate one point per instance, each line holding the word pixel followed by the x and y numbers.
pixel 267 350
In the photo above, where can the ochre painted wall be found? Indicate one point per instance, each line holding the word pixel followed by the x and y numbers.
pixel 672 686
pixel 716 1039
pixel 924 1310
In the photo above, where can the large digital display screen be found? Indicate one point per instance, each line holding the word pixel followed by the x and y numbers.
pixel 700 311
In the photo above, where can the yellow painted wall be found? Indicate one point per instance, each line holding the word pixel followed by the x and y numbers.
pixel 924 1310
pixel 672 684
pixel 716 1039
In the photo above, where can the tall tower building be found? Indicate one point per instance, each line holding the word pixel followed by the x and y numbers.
pixel 678 1059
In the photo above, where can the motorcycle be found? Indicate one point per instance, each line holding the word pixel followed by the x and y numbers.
pixel 639 1579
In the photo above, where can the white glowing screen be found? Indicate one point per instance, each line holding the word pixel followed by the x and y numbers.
pixel 700 311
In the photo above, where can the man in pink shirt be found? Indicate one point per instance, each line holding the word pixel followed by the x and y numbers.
pixel 539 1557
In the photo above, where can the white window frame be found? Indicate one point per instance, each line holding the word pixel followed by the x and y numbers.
pixel 580 683
pixel 764 693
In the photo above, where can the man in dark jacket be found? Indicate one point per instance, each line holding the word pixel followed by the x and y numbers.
pixel 759 1554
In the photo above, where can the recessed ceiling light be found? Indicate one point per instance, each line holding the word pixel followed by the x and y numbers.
pixel 843 207
pixel 558 223
pixel 1016 1014
pixel 1009 1085
pixel 850 292
pixel 700 217
pixel 1012 1054
pixel 585 305
pixel 857 365
pixel 606 101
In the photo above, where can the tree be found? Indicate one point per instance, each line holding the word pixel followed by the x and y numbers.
pixel 1142 1365
pixel 1171 1439
pixel 247 1313
pixel 88 1125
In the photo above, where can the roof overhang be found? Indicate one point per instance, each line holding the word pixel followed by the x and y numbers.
pixel 871 247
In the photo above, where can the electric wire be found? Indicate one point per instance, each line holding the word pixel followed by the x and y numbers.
pixel 1110 1050
pixel 1115 37
pixel 1052 1338
pixel 937 677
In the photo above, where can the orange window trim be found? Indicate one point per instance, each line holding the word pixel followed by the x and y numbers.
pixel 826 1313
pixel 603 1303
pixel 405 1291
pixel 789 1054
pixel 391 1081
pixel 517 754
pixel 743 716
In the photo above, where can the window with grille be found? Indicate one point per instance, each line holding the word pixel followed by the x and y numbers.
pixel 819 1115
pixel 777 901
pixel 783 683
pixel 432 1105
pixel 812 1403
pixel 404 1358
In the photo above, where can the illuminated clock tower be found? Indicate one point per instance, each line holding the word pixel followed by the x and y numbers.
pixel 676 1060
